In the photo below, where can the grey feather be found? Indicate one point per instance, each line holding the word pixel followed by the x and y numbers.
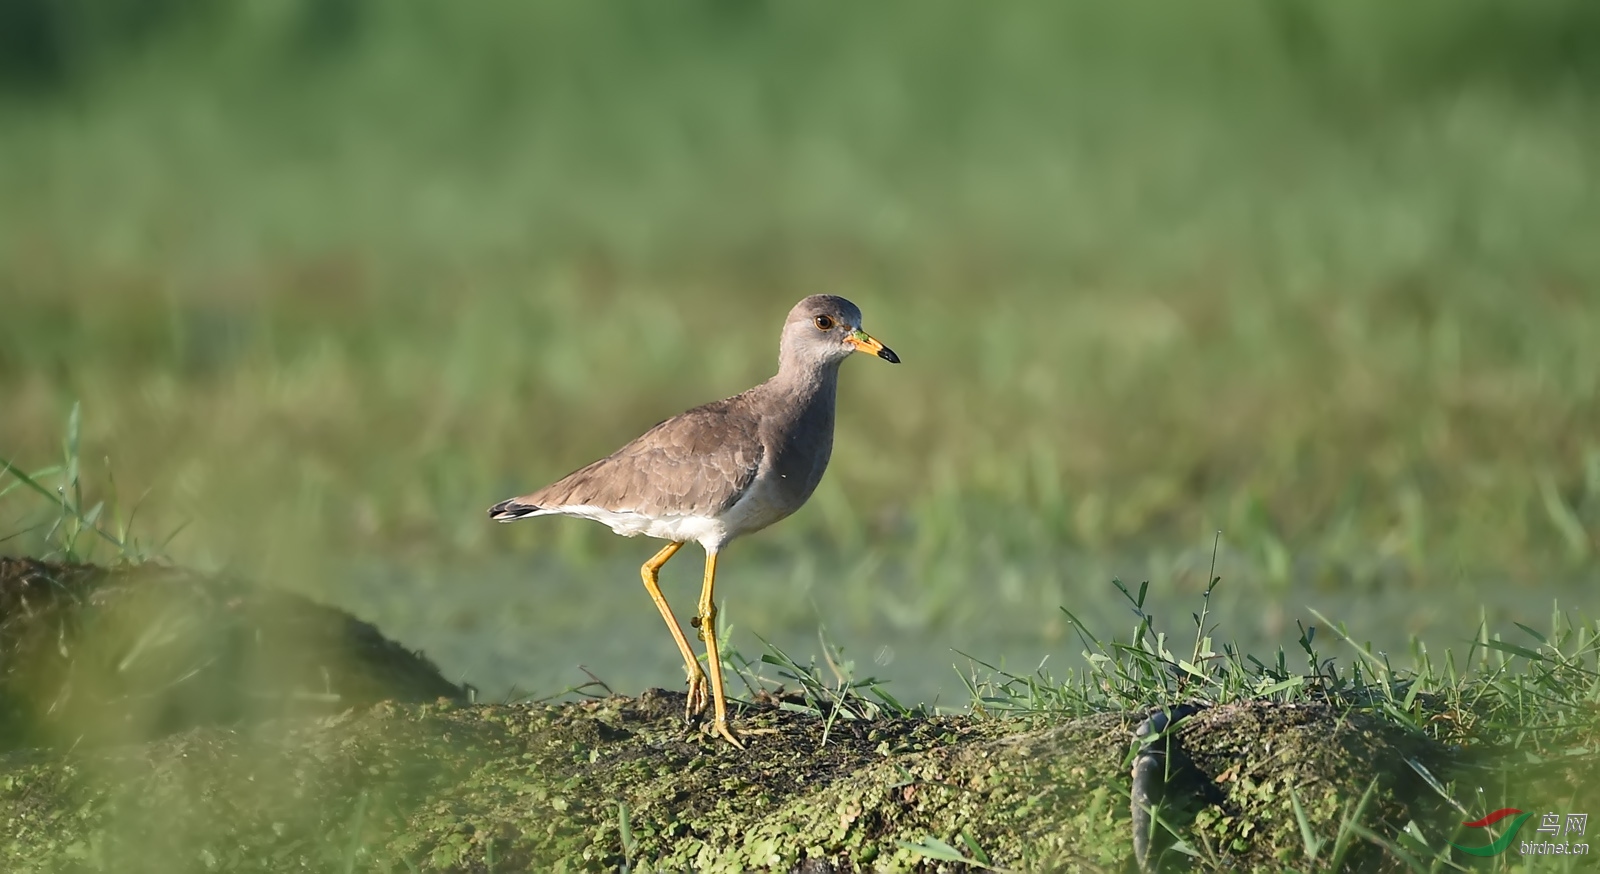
pixel 778 435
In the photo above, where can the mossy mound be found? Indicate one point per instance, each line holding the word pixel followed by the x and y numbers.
pixel 233 728
pixel 94 654
pixel 510 788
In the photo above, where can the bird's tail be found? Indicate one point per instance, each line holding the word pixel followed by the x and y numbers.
pixel 515 508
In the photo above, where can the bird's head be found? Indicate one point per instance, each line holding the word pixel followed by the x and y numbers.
pixel 825 329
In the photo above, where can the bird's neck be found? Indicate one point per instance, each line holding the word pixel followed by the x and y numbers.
pixel 798 417
pixel 806 382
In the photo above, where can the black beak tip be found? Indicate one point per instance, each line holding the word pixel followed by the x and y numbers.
pixel 888 355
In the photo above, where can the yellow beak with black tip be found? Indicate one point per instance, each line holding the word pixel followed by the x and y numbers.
pixel 869 344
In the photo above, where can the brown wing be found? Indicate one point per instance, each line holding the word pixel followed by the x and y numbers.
pixel 697 463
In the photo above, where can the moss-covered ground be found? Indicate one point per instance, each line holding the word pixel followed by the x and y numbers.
pixel 479 788
pixel 1322 780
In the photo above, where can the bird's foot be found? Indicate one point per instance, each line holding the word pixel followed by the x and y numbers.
pixel 721 729
pixel 699 696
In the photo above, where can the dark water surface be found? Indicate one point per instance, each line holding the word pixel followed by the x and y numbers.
pixel 532 629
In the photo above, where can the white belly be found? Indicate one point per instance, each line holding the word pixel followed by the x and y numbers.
pixel 757 508
pixel 705 530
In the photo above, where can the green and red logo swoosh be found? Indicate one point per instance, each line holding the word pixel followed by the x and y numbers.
pixel 1500 844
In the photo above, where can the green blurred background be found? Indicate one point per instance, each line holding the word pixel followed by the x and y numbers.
pixel 330 277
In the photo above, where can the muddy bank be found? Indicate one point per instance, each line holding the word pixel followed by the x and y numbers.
pixel 329 781
pixel 94 654
pixel 509 788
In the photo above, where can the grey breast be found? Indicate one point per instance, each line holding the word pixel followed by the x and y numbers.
pixel 797 432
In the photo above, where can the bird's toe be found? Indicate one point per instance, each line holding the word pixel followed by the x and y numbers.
pixel 699 697
pixel 721 729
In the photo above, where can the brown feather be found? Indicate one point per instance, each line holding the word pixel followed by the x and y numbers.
pixel 696 463
pixel 778 436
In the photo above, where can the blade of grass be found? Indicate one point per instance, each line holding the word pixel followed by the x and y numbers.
pixel 6 466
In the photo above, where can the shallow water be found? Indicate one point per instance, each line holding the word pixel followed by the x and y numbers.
pixel 541 627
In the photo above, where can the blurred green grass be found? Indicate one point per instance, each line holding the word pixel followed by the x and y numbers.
pixel 330 278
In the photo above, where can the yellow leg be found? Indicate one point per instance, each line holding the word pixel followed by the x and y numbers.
pixel 707 623
pixel 697 678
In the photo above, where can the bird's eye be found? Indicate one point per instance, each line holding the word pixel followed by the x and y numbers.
pixel 824 323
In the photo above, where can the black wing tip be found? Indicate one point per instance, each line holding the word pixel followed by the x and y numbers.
pixel 505 511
